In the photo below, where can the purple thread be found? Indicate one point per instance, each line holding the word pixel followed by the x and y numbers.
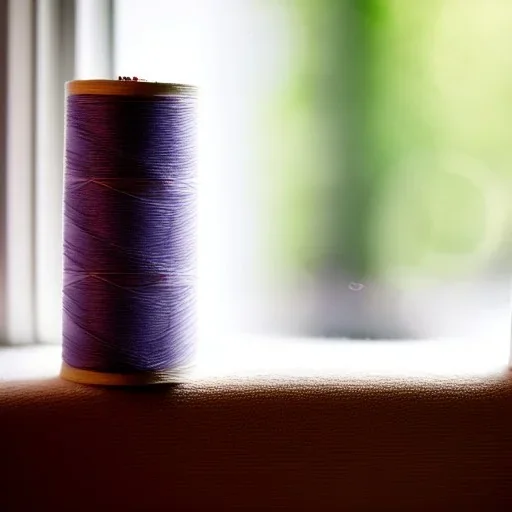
pixel 129 232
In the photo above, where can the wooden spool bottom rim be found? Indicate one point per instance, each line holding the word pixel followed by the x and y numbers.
pixel 171 376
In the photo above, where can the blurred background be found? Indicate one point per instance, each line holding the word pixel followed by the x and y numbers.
pixel 355 158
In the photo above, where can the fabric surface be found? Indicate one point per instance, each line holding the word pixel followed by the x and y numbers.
pixel 307 444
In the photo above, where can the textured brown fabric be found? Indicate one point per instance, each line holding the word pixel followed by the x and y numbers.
pixel 300 445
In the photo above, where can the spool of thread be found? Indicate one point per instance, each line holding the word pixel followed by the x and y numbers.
pixel 129 232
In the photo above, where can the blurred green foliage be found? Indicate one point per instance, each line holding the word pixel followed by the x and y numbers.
pixel 388 144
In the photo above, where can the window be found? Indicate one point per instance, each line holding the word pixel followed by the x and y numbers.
pixel 354 159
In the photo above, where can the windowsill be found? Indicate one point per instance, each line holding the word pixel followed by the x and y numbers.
pixel 439 440
pixel 250 357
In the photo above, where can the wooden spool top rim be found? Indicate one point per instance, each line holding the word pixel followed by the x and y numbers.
pixel 128 88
